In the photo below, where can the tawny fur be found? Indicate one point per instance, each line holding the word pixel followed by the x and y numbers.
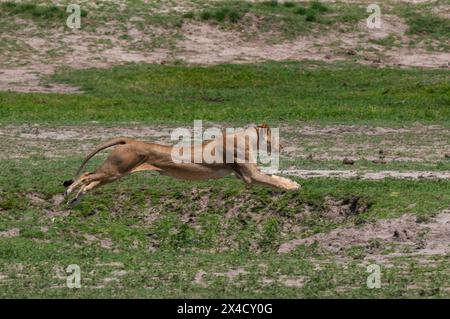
pixel 130 156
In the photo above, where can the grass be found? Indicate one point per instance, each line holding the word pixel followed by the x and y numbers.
pixel 33 10
pixel 275 20
pixel 148 236
pixel 429 26
pixel 389 41
pixel 289 19
pixel 37 11
pixel 424 25
pixel 423 21
pixel 269 92
pixel 161 258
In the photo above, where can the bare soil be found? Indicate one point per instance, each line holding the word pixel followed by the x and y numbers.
pixel 36 53
pixel 404 235
pixel 417 143
pixel 367 174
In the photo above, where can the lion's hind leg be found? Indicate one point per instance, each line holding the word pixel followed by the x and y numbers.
pixel 73 185
pixel 89 181
pixel 83 190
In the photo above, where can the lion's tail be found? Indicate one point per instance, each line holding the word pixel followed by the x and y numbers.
pixel 115 141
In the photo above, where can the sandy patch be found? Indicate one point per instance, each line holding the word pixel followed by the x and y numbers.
pixel 110 264
pixel 51 213
pixel 380 145
pixel 35 199
pixel 209 44
pixel 390 25
pixel 442 11
pixel 295 282
pixel 57 199
pixel 199 280
pixel 104 243
pixel 79 49
pixel 232 273
pixel 4 278
pixel 13 232
pixel 62 133
pixel 414 143
pixel 378 175
pixel 28 79
pixel 419 58
pixel 420 238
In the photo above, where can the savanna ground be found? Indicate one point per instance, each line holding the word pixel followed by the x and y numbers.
pixel 363 115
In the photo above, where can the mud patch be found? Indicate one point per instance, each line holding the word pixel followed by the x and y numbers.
pixel 340 210
pixel 35 199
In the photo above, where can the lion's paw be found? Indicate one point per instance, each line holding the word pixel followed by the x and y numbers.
pixel 287 183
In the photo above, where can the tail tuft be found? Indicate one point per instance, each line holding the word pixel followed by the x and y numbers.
pixel 68 182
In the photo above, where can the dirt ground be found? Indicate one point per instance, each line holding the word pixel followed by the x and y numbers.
pixel 405 236
pixel 416 144
pixel 31 53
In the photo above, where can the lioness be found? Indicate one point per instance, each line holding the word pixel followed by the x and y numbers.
pixel 132 156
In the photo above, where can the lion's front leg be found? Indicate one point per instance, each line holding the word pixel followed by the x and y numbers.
pixel 250 174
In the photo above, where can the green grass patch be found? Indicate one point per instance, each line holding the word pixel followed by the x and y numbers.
pixel 162 256
pixel 41 12
pixel 428 25
pixel 423 21
pixel 271 92
pixel 33 10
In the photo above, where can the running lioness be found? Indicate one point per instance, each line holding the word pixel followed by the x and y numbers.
pixel 132 156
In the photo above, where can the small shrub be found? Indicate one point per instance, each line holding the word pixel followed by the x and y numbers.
pixel 188 15
pixel 272 3
pixel 234 16
pixel 220 14
pixel 205 15
pixel 301 10
pixel 429 25
pixel 310 17
pixel 289 4
pixel 9 5
pixel 318 6
pixel 36 11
